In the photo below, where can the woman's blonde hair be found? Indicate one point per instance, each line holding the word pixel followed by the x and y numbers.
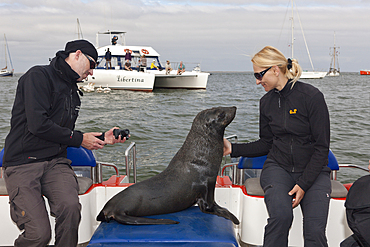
pixel 270 56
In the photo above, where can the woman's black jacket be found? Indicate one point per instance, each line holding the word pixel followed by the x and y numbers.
pixel 294 131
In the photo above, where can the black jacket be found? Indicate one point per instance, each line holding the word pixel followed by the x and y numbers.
pixel 44 113
pixel 358 209
pixel 294 131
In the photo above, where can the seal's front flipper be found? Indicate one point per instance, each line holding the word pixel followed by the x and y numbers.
pixel 133 220
pixel 217 210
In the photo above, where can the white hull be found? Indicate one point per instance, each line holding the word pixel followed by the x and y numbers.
pixel 333 74
pixel 250 210
pixel 252 213
pixel 92 203
pixel 118 78
pixel 187 80
pixel 122 79
pixel 4 73
pixel 312 75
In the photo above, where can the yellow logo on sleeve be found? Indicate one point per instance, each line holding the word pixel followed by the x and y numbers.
pixel 293 111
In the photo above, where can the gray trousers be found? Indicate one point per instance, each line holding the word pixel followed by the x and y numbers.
pixel 58 183
pixel 277 182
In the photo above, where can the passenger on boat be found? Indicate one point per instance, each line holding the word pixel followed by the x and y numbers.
pixel 358 213
pixel 142 64
pixel 44 114
pixel 181 68
pixel 108 58
pixel 168 67
pixel 153 66
pixel 114 40
pixel 128 54
pixel 295 135
pixel 128 65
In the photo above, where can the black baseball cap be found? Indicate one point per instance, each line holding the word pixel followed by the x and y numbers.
pixel 83 45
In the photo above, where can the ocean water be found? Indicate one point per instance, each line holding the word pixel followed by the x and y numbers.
pixel 160 121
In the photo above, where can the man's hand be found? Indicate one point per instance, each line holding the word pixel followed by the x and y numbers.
pixel 110 139
pixel 91 142
pixel 299 194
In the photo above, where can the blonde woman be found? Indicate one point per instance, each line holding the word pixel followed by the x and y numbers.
pixel 295 135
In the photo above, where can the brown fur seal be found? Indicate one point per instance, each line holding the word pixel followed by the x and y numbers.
pixel 189 178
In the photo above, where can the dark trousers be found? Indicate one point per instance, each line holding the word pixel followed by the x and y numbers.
pixel 359 222
pixel 277 182
pixel 57 182
pixel 352 241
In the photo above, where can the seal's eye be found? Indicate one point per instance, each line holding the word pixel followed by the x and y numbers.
pixel 221 115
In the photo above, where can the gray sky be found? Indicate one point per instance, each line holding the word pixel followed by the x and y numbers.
pixel 220 34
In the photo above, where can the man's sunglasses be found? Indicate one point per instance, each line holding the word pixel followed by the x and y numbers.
pixel 92 62
pixel 261 74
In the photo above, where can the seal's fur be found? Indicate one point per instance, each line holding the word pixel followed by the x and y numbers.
pixel 189 178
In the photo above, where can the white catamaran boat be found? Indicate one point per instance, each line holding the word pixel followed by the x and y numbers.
pixel 305 74
pixel 5 71
pixel 237 189
pixel 334 71
pixel 116 77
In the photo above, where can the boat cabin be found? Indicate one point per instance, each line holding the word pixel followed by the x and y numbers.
pixel 119 52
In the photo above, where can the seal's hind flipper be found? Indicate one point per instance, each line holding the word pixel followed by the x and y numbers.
pixel 217 210
pixel 133 220
pixel 223 212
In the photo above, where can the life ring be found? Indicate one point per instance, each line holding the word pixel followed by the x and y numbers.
pixel 128 50
pixel 144 51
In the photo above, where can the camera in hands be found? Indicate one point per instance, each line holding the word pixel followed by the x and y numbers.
pixel 122 133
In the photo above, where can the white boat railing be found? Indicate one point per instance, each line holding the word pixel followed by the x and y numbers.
pixel 99 173
pixel 130 159
pixel 131 150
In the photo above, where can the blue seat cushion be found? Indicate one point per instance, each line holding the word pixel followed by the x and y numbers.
pixel 333 162
pixel 79 156
pixel 195 229
pixel 1 157
pixel 252 163
pixel 257 162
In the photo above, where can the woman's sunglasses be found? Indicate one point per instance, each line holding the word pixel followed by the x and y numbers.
pixel 261 74
pixel 92 62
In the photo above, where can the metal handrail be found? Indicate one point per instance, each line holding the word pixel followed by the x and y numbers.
pixel 334 174
pixel 353 166
pixel 231 137
pixel 98 176
pixel 112 165
pixel 127 152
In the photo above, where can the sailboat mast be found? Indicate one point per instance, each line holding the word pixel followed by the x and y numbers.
pixel 79 30
pixel 334 48
pixel 292 25
pixel 6 59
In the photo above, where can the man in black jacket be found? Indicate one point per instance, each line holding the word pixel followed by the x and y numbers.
pixel 44 113
pixel 358 213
